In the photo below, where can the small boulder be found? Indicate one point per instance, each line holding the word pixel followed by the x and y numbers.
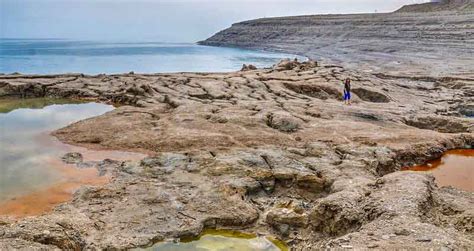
pixel 371 95
pixel 308 65
pixel 286 65
pixel 72 158
pixel 279 216
pixel 311 182
pixel 249 67
pixel 283 122
pixel 466 110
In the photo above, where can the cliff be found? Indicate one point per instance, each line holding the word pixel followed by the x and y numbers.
pixel 416 43
pixel 446 5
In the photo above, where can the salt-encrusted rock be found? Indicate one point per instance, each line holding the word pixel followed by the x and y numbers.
pixel 72 158
pixel 267 151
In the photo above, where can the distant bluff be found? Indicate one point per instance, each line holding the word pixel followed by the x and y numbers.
pixel 442 5
pixel 411 40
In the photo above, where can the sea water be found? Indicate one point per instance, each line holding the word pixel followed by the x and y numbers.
pixel 48 56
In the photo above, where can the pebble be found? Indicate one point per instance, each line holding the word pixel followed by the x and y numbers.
pixel 402 232
pixel 386 237
pixel 344 239
pixel 424 239
pixel 373 245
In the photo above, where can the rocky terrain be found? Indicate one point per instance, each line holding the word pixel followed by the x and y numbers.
pixel 414 40
pixel 275 151
pixel 272 151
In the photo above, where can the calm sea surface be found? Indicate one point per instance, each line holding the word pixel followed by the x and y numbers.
pixel 64 56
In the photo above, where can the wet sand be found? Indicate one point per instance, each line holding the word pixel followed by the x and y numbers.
pixel 455 168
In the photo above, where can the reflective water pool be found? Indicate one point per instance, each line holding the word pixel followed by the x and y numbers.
pixel 455 168
pixel 222 240
pixel 32 176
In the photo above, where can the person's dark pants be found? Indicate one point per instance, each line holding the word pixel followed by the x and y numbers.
pixel 347 96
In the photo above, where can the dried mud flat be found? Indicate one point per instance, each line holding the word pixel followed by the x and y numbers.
pixel 272 151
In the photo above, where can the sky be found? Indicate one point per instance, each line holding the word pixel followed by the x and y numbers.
pixel 158 20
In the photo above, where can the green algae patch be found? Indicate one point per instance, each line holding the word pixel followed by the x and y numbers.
pixel 222 240
pixel 279 243
pixel 220 232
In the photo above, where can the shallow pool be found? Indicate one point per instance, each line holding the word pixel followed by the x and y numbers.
pixel 222 240
pixel 32 176
pixel 455 168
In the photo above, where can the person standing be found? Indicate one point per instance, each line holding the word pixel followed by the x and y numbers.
pixel 347 91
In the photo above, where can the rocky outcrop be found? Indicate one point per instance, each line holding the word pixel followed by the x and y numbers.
pixel 272 151
pixel 441 124
pixel 72 158
pixel 248 67
pixel 371 95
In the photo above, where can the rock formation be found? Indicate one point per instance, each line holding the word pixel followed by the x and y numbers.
pixel 440 5
pixel 409 41
pixel 272 151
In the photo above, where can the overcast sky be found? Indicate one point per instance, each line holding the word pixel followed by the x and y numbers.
pixel 158 20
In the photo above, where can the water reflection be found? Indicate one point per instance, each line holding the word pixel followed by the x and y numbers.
pixel 33 178
pixel 222 240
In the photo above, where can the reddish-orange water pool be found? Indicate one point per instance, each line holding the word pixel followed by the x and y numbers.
pixel 33 178
pixel 455 168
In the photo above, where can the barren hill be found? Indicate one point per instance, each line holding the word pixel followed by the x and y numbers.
pixel 408 42
pixel 446 5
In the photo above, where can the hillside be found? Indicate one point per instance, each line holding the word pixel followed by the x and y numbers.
pixel 415 43
pixel 446 5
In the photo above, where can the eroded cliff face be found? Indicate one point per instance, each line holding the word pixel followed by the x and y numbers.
pixel 272 151
pixel 433 44
pixel 440 5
